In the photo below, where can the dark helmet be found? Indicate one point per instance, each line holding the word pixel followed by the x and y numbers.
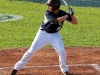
pixel 54 3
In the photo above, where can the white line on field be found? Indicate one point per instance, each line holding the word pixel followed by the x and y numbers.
pixel 95 66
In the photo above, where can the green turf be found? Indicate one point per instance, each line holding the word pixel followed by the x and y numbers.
pixel 21 33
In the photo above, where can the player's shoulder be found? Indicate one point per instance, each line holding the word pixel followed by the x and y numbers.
pixel 47 13
pixel 62 12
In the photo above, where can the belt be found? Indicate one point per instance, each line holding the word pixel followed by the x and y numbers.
pixel 42 29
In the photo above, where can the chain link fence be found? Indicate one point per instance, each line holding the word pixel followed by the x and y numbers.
pixel 93 3
pixel 90 3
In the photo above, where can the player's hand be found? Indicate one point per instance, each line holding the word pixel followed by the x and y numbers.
pixel 70 11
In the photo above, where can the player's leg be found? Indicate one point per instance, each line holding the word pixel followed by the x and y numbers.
pixel 39 41
pixel 59 47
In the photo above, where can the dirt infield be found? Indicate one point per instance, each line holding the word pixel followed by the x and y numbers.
pixel 81 61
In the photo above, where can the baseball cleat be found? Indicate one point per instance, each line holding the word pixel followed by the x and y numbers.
pixel 67 73
pixel 13 72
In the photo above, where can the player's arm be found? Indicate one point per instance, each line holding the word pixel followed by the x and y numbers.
pixel 71 18
pixel 52 18
pixel 74 20
pixel 63 18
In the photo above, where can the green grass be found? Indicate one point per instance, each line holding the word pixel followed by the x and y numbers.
pixel 21 33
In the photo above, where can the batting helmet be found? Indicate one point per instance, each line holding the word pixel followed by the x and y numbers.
pixel 54 3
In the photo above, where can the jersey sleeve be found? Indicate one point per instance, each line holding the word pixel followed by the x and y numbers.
pixel 49 15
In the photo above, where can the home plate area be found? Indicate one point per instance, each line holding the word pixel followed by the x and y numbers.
pixel 81 61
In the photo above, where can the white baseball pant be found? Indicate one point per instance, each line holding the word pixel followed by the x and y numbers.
pixel 42 38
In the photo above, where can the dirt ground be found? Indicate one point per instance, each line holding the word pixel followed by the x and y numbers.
pixel 81 61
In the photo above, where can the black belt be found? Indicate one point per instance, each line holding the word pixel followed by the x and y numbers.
pixel 42 29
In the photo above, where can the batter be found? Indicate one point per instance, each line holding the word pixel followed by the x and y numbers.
pixel 48 33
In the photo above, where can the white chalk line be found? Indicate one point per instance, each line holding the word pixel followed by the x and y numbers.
pixel 95 66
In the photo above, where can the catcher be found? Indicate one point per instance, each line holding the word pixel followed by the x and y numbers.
pixel 48 33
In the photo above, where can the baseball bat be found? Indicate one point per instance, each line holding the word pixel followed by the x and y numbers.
pixel 66 3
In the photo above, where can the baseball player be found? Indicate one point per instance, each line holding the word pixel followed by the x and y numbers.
pixel 48 33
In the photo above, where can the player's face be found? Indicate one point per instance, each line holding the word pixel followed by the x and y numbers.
pixel 50 8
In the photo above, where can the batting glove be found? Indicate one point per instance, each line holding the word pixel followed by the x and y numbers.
pixel 70 11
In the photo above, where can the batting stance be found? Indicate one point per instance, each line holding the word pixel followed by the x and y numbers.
pixel 48 33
